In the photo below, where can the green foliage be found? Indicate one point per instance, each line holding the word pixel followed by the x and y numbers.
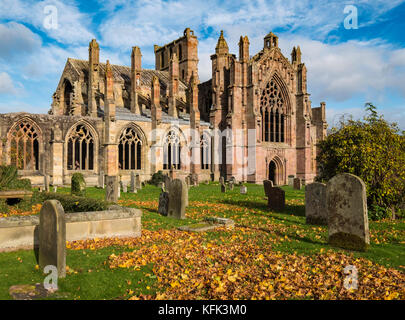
pixel 157 177
pixel 71 203
pixel 9 179
pixel 372 149
pixel 78 187
pixel 376 213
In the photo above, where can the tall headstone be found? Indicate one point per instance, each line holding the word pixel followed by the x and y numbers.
pixel 52 236
pixel 124 186
pixel 111 188
pixel 291 181
pixel 46 182
pixel 315 204
pixel 178 199
pixel 346 203
pixel 276 199
pixel 268 185
pixel 138 183
pixel 297 183
pixel 163 203
pixel 101 178
pixel 132 187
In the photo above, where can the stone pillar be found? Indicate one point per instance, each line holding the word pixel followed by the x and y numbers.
pixel 136 68
pixel 173 85
pixel 57 155
pixel 94 53
pixel 156 115
pixel 195 126
pixel 52 237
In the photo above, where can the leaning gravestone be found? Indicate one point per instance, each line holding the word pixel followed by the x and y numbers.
pixel 276 199
pixel 78 185
pixel 315 204
pixel 52 237
pixel 111 189
pixel 268 185
pixel 178 198
pixel 297 183
pixel 347 212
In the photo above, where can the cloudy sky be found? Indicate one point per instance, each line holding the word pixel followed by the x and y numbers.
pixel 348 65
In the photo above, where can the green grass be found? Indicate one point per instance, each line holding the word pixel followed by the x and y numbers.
pixel 287 230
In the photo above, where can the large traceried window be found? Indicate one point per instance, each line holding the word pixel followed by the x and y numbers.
pixel 24 146
pixel 272 108
pixel 130 150
pixel 80 149
pixel 171 150
pixel 205 152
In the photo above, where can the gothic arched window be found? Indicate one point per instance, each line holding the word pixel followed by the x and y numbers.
pixel 130 150
pixel 205 152
pixel 80 149
pixel 171 150
pixel 272 108
pixel 24 146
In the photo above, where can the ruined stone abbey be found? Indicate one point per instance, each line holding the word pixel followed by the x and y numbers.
pixel 252 120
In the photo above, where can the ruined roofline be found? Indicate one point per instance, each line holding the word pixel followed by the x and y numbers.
pixel 158 48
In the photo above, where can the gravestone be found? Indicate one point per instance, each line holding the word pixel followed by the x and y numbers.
pixel 132 187
pixel 46 182
pixel 276 199
pixel 267 184
pixel 138 183
pixel 52 237
pixel 297 183
pixel 223 185
pixel 233 180
pixel 101 178
pixel 124 186
pixel 194 179
pixel 346 203
pixel 243 189
pixel 178 199
pixel 291 181
pixel 315 204
pixel 163 203
pixel 111 188
pixel 55 188
pixel 230 184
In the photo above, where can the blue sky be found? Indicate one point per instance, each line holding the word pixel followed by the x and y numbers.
pixel 346 67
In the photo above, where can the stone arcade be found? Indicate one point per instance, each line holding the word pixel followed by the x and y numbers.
pixel 102 118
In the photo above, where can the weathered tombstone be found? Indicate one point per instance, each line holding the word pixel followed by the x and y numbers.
pixel 276 199
pixel 52 237
pixel 267 184
pixel 297 183
pixel 112 189
pixel 46 182
pixel 124 186
pixel 315 204
pixel 138 183
pixel 194 179
pixel 233 180
pixel 178 199
pixel 55 188
pixel 291 180
pixel 132 186
pixel 78 185
pixel 243 189
pixel 187 180
pixel 346 203
pixel 163 203
pixel 101 178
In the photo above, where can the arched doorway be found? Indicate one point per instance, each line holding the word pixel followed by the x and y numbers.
pixel 272 172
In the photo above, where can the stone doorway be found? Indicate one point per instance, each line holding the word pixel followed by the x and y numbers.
pixel 275 171
pixel 272 172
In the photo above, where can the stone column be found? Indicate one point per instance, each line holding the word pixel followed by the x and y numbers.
pixel 57 156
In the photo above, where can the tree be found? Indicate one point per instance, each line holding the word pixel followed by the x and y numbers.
pixel 372 149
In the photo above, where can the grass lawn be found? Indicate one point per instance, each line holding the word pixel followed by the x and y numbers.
pixel 268 255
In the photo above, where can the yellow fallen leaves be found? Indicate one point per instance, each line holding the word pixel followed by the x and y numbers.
pixel 189 267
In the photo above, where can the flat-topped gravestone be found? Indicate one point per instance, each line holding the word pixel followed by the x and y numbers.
pixel 346 203
pixel 178 198
pixel 243 189
pixel 52 237
pixel 46 182
pixel 291 180
pixel 297 183
pixel 124 186
pixel 111 188
pixel 276 199
pixel 138 183
pixel 315 204
pixel 268 185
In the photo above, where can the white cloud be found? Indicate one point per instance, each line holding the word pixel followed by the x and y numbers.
pixel 72 25
pixel 7 86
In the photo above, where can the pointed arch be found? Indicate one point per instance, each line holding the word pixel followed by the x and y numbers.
pixel 132 144
pixel 81 147
pixel 25 144
pixel 276 170
pixel 173 141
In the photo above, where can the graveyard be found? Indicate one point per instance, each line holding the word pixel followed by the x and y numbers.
pixel 270 251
